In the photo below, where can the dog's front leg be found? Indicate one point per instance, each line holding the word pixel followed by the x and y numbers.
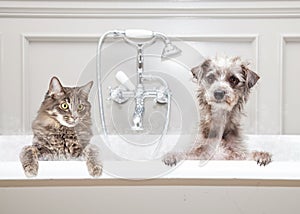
pixel 199 152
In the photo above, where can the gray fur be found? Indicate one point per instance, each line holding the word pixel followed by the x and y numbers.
pixel 224 86
pixel 62 134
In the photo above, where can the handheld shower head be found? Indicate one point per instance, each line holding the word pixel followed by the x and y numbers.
pixel 170 50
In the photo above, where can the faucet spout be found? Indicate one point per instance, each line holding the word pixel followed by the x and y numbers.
pixel 137 123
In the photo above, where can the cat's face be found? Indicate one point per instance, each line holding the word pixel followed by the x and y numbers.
pixel 68 106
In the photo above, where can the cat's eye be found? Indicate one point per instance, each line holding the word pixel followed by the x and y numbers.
pixel 64 106
pixel 80 107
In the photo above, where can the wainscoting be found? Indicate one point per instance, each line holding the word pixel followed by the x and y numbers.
pixel 40 39
pixel 233 187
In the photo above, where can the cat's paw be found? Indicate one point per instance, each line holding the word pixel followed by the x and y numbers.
pixel 262 158
pixel 31 170
pixel 171 159
pixel 29 161
pixel 95 169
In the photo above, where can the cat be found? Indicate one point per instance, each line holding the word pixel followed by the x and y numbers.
pixel 62 130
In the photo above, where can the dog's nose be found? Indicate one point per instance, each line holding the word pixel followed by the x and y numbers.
pixel 219 94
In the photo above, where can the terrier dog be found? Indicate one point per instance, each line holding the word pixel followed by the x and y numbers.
pixel 224 85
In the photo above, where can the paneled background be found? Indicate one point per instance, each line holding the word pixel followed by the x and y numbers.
pixel 39 39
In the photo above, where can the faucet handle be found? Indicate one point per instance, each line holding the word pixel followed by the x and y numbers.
pixel 162 95
pixel 117 95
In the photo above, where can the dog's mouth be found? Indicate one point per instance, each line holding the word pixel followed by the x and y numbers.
pixel 224 101
pixel 225 104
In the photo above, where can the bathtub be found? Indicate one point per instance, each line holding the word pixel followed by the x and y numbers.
pixel 191 187
pixel 285 165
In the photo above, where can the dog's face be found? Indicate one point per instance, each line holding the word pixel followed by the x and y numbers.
pixel 224 82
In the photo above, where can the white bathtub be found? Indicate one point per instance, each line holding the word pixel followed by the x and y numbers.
pixel 285 165
pixel 235 187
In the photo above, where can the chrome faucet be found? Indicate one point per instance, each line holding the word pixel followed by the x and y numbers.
pixel 139 95
pixel 139 108
pixel 121 95
pixel 138 92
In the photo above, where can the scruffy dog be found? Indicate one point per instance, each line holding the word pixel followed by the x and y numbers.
pixel 224 87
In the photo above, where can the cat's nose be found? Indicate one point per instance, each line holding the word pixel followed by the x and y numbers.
pixel 75 117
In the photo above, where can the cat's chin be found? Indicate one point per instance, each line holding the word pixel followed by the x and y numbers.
pixel 64 123
pixel 70 125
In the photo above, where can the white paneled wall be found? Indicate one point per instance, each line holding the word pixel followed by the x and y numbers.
pixel 39 39
pixel 290 83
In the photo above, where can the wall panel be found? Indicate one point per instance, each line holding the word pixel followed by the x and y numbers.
pixel 290 85
pixel 47 56
pixel 40 39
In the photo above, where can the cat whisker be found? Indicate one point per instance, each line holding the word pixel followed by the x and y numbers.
pixel 81 122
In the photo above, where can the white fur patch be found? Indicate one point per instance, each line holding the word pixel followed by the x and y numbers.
pixel 225 61
pixel 62 121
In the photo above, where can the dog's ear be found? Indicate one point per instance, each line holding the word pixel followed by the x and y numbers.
pixel 251 76
pixel 199 70
pixel 196 72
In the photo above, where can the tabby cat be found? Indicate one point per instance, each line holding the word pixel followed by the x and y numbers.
pixel 62 130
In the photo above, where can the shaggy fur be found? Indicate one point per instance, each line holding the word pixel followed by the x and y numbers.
pixel 224 87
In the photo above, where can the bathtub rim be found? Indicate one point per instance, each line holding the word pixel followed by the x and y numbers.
pixel 238 173
pixel 175 178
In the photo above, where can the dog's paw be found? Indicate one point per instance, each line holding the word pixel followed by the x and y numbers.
pixel 171 159
pixel 262 158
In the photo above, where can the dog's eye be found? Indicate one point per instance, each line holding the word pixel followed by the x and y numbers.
pixel 210 78
pixel 233 81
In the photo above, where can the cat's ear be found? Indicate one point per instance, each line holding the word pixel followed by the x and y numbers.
pixel 55 87
pixel 86 88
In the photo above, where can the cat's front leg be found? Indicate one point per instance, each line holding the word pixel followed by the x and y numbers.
pixel 92 158
pixel 73 148
pixel 29 160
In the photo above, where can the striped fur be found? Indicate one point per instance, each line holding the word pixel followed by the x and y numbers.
pixel 62 130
